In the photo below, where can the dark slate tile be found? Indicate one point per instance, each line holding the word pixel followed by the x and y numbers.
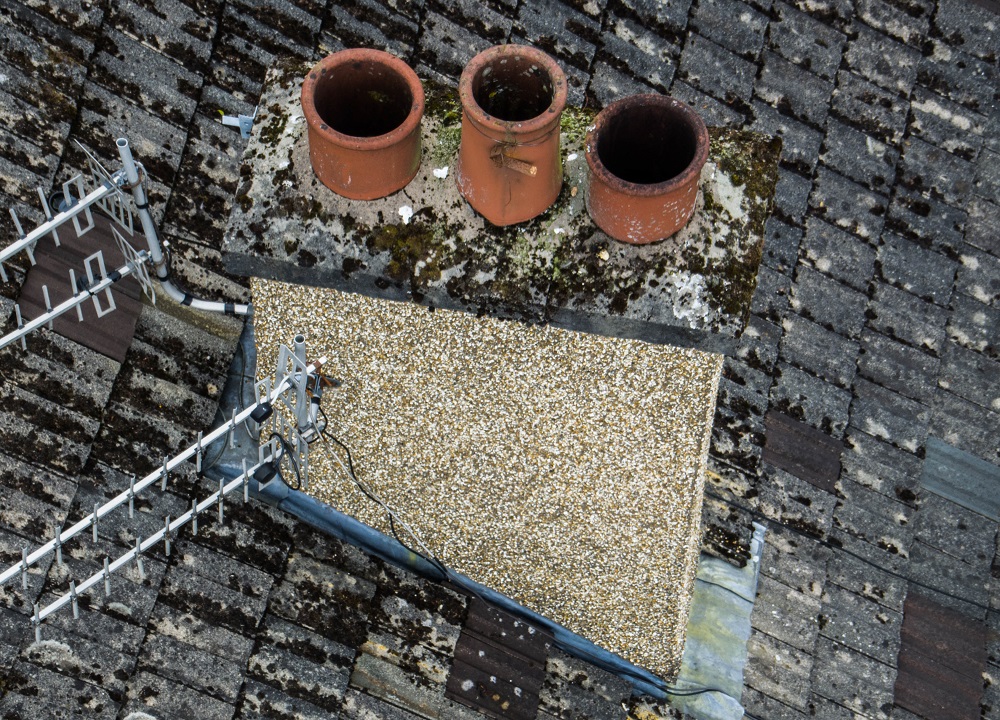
pixel 478 18
pixel 193 631
pixel 715 113
pixel 826 354
pixel 982 229
pixel 897 367
pixel 607 83
pixel 959 77
pixel 979 277
pixel 970 375
pixel 87 660
pixel 962 533
pixel 868 580
pixel 210 601
pixel 806 41
pixel 918 216
pixel 263 702
pixel 317 683
pixel 97 626
pixel 791 195
pixel 846 677
pixel 447 47
pixel 970 28
pixel 827 302
pixel 907 318
pixel 786 614
pixel 716 71
pixel 792 90
pixel 638 52
pixel 149 693
pixel 974 325
pixel 738 427
pixel 170 27
pixel 881 467
pixel 907 22
pixel 842 256
pixel 831 12
pixel 966 425
pixel 586 691
pixel 848 205
pixel 876 111
pixel 361 706
pixel 781 245
pixel 859 157
pixel 370 24
pixel 881 522
pixel 285 21
pixel 757 704
pixel 794 502
pixel 944 176
pixel 800 143
pixel 714 20
pixel 560 30
pixel 815 402
pixel 889 416
pixel 883 61
pixel 210 674
pixel 946 124
pixel 771 299
pixel 754 381
pixel 859 624
pixel 912 267
pixel 796 560
pixel 987 183
pixel 670 16
pixel 48 29
pixel 786 681
pixel 950 582
pixel 35 692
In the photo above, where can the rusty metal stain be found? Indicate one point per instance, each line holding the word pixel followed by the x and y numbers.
pixel 110 335
pixel 805 452
pixel 499 664
pixel 941 659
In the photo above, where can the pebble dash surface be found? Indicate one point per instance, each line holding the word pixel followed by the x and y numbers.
pixel 562 469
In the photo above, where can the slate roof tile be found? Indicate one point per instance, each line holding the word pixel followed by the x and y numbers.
pixel 883 61
pixel 974 325
pixel 963 534
pixel 791 196
pixel 761 705
pixel 970 375
pixel 969 28
pixel 845 257
pixel 954 584
pixel 874 518
pixel 916 269
pixel 671 15
pixel 900 315
pixel 860 624
pixel 858 156
pixel 171 27
pixel 34 691
pixel 164 698
pixel 966 425
pixel 714 20
pixel 946 124
pixel 959 77
pixel 853 681
pixel 856 574
pixel 983 227
pixel 263 702
pixel 319 684
pixel 848 205
pixel 874 110
pixel 716 113
pixel 608 83
pixel 831 304
pixel 711 68
pixel 800 143
pixel 797 561
pixel 793 90
pixel 447 47
pixel 778 670
pixel 898 367
pixel 805 41
pixel 786 614
pixel 907 23
pixel 369 24
pixel 192 630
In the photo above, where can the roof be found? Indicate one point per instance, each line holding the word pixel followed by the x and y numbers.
pixel 875 322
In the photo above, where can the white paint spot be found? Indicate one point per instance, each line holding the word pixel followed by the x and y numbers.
pixel 571 157
pixel 406 212
pixel 970 262
pixel 467 685
pixel 823 264
pixel 441 172
pixel 995 404
pixel 558 231
pixel 932 107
